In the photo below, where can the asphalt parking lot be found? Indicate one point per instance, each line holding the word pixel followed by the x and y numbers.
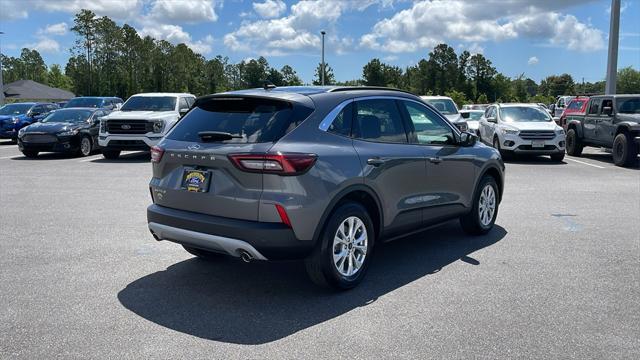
pixel 81 277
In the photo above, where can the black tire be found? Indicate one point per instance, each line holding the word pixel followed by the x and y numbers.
pixel 86 151
pixel 203 254
pixel 110 154
pixel 320 265
pixel 625 150
pixel 31 154
pixel 574 144
pixel 557 157
pixel 471 222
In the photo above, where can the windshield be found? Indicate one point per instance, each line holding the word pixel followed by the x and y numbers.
pixel 628 105
pixel 68 116
pixel 524 114
pixel 15 109
pixel 475 115
pixel 150 103
pixel 84 102
pixel 445 106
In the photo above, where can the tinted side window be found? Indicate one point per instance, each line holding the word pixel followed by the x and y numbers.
pixel 430 129
pixel 379 120
pixel 341 125
pixel 39 109
pixel 593 108
pixel 190 101
pixel 491 112
pixel 183 104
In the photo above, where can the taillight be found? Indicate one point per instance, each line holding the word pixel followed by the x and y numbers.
pixel 283 215
pixel 280 163
pixel 156 154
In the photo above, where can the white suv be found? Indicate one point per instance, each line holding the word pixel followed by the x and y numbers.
pixel 522 129
pixel 141 122
pixel 447 107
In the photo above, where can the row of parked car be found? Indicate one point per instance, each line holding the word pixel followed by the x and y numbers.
pixel 86 124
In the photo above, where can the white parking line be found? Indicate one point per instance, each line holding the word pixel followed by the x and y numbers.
pixel 11 157
pixel 585 163
pixel 91 158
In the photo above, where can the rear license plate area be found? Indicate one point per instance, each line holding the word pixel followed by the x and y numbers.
pixel 194 180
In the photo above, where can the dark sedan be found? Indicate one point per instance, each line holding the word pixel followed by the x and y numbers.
pixel 72 130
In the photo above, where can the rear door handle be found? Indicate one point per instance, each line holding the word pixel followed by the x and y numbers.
pixel 435 160
pixel 375 162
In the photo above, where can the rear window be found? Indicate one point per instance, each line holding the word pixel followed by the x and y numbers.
pixel 254 120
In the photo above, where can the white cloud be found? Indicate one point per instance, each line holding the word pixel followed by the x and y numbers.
pixel 298 31
pixel 55 29
pixel 475 48
pixel 191 11
pixel 270 8
pixel 172 33
pixel 533 60
pixel 44 45
pixel 203 46
pixel 429 22
pixel 116 9
pixel 12 11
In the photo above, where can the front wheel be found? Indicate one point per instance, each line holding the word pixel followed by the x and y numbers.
pixel 343 253
pixel 574 144
pixel 31 154
pixel 85 146
pixel 624 151
pixel 485 208
pixel 506 155
pixel 110 154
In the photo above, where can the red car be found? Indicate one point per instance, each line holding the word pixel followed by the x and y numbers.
pixel 577 105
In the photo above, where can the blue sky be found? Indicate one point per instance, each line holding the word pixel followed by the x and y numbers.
pixel 535 37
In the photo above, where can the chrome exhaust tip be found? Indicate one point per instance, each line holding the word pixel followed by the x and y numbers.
pixel 245 255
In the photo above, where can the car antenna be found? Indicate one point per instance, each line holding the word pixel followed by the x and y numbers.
pixel 268 85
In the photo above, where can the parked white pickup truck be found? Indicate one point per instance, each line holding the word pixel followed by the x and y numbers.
pixel 141 122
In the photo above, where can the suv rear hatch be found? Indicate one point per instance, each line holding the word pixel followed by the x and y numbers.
pixel 197 166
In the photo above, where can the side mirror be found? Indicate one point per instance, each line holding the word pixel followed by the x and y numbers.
pixel 183 111
pixel 607 110
pixel 492 120
pixel 465 115
pixel 467 139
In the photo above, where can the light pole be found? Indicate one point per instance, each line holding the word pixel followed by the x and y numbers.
pixel 322 66
pixel 612 60
pixel 1 83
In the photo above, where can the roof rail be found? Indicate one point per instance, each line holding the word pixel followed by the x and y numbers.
pixel 351 88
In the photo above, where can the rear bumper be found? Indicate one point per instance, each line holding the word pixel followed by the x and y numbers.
pixel 263 240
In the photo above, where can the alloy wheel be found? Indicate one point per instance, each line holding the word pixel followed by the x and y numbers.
pixel 487 206
pixel 350 246
pixel 85 146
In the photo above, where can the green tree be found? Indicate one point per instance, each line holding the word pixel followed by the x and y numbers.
pixel 556 85
pixel 481 72
pixel 628 81
pixel 290 77
pixel 443 68
pixel 57 79
pixel 458 97
pixel 275 77
pixel 329 78
pixel 84 27
pixel 373 73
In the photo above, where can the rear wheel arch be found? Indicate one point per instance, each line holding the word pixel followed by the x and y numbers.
pixel 495 174
pixel 575 126
pixel 361 194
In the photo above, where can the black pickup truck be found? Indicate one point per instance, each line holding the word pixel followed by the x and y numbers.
pixel 611 121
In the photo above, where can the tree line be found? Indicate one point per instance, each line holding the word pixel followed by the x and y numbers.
pixel 108 59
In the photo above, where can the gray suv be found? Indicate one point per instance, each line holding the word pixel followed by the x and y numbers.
pixel 317 173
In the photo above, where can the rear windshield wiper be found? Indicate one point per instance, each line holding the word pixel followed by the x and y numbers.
pixel 217 136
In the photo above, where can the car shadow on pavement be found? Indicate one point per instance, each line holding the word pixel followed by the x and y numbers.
pixel 607 158
pixel 47 157
pixel 261 302
pixel 135 157
pixel 532 160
